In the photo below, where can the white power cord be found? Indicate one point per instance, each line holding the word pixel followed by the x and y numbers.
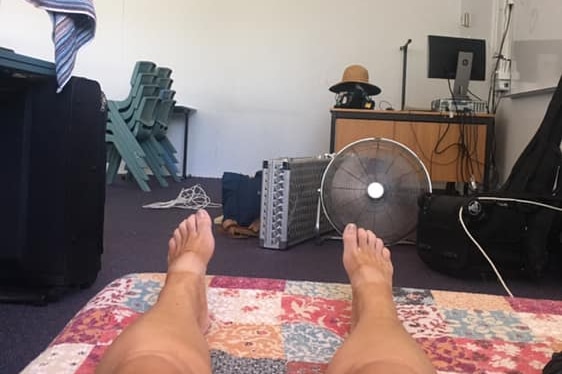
pixel 504 199
pixel 193 197
pixel 484 253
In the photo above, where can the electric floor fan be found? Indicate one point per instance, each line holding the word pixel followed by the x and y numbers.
pixel 375 183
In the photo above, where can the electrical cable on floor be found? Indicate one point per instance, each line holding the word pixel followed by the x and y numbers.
pixel 193 197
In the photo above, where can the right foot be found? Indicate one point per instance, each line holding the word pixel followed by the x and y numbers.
pixel 365 258
pixel 367 263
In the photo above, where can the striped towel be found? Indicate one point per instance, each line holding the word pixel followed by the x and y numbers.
pixel 74 24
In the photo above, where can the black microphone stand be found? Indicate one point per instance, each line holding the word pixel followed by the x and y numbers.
pixel 404 64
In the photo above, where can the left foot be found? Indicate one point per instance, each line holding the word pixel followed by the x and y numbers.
pixel 192 245
pixel 189 251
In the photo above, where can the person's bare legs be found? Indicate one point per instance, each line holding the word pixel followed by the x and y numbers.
pixel 378 343
pixel 169 337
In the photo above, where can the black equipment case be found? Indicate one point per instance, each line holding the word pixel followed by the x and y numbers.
pixel 508 223
pixel 52 149
pixel 515 235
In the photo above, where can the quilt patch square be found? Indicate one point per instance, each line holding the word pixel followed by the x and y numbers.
pixel 337 291
pixel 412 296
pixel 247 283
pixel 484 356
pixel 247 340
pixel 63 358
pixel 246 306
pixel 543 326
pixel 487 325
pixel 309 343
pixel 536 306
pixel 465 300
pixel 306 368
pixel 422 321
pixel 223 363
pixel 96 326
pixel 333 315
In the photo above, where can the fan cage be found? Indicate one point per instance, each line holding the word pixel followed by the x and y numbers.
pixel 377 215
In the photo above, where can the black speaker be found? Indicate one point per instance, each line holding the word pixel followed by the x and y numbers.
pixel 53 148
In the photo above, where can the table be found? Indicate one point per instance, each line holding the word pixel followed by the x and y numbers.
pixel 454 148
pixel 186 111
pixel 12 63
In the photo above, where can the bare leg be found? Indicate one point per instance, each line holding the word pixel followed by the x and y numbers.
pixel 378 343
pixel 169 337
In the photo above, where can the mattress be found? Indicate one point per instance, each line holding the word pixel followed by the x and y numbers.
pixel 283 326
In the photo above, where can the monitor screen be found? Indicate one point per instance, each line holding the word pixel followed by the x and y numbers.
pixel 443 54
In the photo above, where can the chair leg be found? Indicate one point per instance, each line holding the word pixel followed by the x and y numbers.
pixel 169 148
pixel 114 160
pixel 168 164
pixel 132 163
pixel 154 164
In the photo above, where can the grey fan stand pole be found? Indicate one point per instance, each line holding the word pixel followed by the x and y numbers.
pixel 404 48
pixel 319 238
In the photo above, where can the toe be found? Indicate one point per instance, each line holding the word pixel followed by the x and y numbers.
pixel 371 239
pixel 203 219
pixel 350 236
pixel 190 224
pixel 172 244
pixel 386 253
pixel 363 239
pixel 177 236
pixel 183 228
pixel 172 248
pixel 379 245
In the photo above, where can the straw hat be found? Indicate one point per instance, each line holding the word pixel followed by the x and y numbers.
pixel 355 75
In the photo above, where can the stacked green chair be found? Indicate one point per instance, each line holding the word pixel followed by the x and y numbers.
pixel 160 130
pixel 137 127
pixel 122 144
pixel 163 116
pixel 163 72
pixel 141 67
pixel 142 125
pixel 163 83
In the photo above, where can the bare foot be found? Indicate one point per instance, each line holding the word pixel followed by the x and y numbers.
pixel 367 263
pixel 169 336
pixel 365 258
pixel 189 251
pixel 192 245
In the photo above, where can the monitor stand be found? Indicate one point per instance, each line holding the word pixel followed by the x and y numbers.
pixel 462 77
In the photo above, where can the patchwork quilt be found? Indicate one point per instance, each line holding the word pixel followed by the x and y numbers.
pixel 294 327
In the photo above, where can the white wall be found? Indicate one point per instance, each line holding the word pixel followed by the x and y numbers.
pixel 257 71
pixel 517 119
pixel 482 25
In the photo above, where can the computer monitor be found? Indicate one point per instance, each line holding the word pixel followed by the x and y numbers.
pixel 461 59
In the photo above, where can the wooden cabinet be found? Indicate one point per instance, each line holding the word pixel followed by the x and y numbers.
pixel 453 149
